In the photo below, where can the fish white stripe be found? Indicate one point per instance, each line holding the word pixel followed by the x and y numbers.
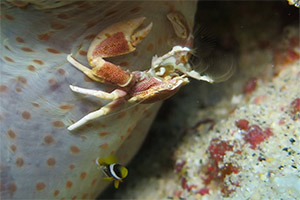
pixel 111 169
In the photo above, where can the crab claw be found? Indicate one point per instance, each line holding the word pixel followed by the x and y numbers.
pixel 178 59
pixel 118 39
pixel 115 40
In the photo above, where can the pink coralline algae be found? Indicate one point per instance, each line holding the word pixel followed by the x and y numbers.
pixel 254 134
pixel 217 149
pixel 214 170
pixel 203 191
pixel 242 124
pixel 295 109
pixel 286 54
pixel 250 86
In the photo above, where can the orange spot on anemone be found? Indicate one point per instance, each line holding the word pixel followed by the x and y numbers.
pixel 40 62
pixel 51 161
pixel 31 68
pixel 129 129
pixel 84 196
pixel 3 88
pixel 44 36
pixel 20 40
pixel 9 17
pixel 12 188
pixel 89 125
pixel 61 71
pixel 26 115
pixel 150 47
pixel 18 90
pixel 51 50
pixel 83 53
pixel 83 175
pixel 11 134
pixel 52 81
pixel 103 134
pixel 102 125
pixel 69 184
pixel 26 49
pixel 58 124
pixel 48 139
pixel 83 137
pixel 94 181
pixel 13 148
pixel 56 193
pixel 8 59
pixel 20 162
pixel 74 149
pixel 71 167
pixel 35 105
pixel 22 79
pixel 6 47
pixel 66 107
pixel 40 186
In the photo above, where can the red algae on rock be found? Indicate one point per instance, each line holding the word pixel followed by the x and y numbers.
pixel 237 158
pixel 216 170
pixel 203 191
pixel 217 149
pixel 242 124
pixel 250 86
pixel 295 109
pixel 254 134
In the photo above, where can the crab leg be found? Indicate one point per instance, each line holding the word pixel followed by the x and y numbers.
pixel 83 68
pixel 98 113
pixel 100 94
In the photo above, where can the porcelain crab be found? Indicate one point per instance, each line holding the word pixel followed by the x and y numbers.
pixel 164 78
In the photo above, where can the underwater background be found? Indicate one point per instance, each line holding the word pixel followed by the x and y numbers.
pixel 194 149
pixel 235 139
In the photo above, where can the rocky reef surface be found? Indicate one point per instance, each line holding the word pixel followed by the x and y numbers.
pixel 233 140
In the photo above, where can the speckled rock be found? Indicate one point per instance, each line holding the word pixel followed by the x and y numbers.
pixel 238 139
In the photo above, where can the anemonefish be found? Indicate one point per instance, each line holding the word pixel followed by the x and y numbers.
pixel 113 171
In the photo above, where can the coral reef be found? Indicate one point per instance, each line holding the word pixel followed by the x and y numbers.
pixel 233 140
